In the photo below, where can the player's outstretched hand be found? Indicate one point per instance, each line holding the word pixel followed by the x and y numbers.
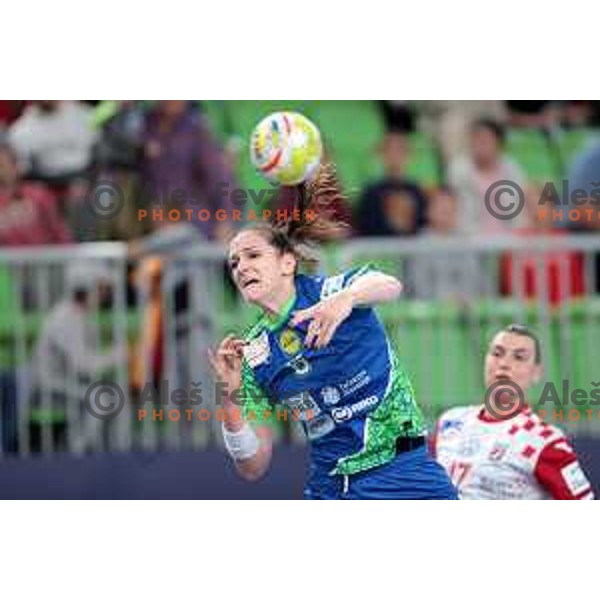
pixel 325 317
pixel 226 361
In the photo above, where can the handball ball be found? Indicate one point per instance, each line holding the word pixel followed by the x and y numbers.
pixel 286 148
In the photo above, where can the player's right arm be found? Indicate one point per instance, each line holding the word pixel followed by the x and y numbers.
pixel 250 448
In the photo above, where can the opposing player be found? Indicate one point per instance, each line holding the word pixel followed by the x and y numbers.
pixel 320 349
pixel 503 449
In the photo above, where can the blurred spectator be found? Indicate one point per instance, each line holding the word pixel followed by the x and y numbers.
pixel 442 213
pixel 448 122
pixel 117 159
pixel 393 205
pixel 452 275
pixel 178 310
pixel 472 175
pixel 181 158
pixel 10 110
pixel 67 359
pixel 577 113
pixel 54 140
pixel 398 115
pixel 120 143
pixel 585 174
pixel 556 274
pixel 530 113
pixel 28 213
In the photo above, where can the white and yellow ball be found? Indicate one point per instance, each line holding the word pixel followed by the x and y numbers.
pixel 286 148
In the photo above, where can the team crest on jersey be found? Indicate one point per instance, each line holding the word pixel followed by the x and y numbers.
pixel 290 342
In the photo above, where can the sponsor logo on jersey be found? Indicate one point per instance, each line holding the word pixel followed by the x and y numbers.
pixel 575 478
pixel 330 395
pixel 290 341
pixel 357 381
pixel 345 413
pixel 300 365
pixel 258 350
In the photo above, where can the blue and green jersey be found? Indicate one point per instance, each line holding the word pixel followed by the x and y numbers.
pixel 352 396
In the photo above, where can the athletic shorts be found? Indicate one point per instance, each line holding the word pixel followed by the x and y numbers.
pixel 412 475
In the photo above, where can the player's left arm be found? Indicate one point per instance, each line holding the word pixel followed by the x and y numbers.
pixel 559 472
pixel 361 289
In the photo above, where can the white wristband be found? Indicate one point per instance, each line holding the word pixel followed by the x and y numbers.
pixel 241 444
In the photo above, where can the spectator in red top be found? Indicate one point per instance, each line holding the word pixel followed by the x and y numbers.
pixel 28 214
pixel 559 273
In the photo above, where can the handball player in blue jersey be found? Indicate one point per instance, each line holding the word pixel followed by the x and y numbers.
pixel 320 350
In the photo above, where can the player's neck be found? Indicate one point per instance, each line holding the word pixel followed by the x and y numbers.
pixel 280 302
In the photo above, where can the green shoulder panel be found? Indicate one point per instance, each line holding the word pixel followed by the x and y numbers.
pixel 254 401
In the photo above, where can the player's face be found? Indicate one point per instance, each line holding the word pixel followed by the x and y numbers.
pixel 511 356
pixel 485 147
pixel 259 270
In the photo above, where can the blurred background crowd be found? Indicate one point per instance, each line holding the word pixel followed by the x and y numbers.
pixel 407 168
pixel 410 170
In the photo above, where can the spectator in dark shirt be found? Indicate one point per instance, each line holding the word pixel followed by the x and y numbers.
pixel 393 205
pixel 180 153
pixel 117 158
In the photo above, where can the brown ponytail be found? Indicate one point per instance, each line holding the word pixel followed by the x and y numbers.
pixel 317 203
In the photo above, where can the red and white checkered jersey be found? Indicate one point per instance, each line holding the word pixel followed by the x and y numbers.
pixel 519 458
